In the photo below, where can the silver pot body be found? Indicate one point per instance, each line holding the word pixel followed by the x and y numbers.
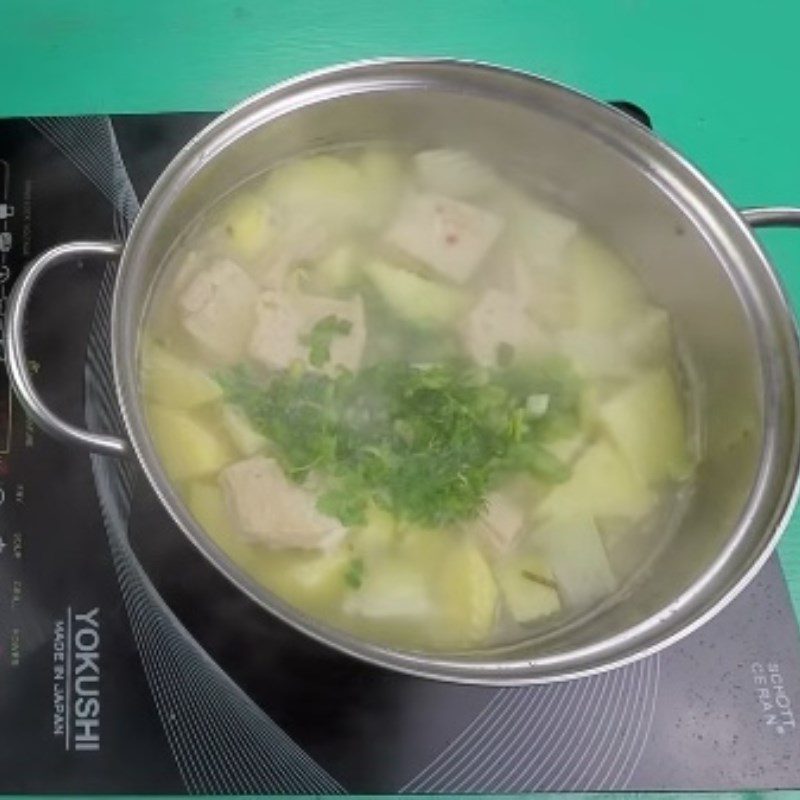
pixel 695 254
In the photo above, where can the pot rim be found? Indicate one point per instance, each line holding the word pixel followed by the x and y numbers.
pixel 651 634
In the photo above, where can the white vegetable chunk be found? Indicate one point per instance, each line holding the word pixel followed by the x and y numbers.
pixel 324 189
pixel 392 590
pixel 645 340
pixel 648 338
pixel 500 524
pixel 217 310
pixel 423 302
pixel 575 551
pixel 383 174
pixel 450 236
pixel 455 173
pixel 283 321
pixel 543 293
pixel 499 318
pixel 185 270
pixel 270 509
pixel 595 354
pixel 528 587
pixel 541 235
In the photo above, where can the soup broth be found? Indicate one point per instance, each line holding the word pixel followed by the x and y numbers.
pixel 414 401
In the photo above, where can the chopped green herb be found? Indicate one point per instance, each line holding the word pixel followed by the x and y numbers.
pixel 345 502
pixel 427 443
pixel 321 336
pixel 354 575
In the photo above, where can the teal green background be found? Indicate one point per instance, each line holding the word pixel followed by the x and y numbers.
pixel 720 79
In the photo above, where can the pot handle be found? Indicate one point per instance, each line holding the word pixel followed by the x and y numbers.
pixel 771 217
pixel 17 362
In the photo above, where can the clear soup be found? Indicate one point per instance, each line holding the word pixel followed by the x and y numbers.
pixel 413 400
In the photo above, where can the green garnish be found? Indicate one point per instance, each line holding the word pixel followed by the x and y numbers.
pixel 354 575
pixel 427 443
pixel 345 501
pixel 321 336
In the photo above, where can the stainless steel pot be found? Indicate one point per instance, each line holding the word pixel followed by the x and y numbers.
pixel 696 254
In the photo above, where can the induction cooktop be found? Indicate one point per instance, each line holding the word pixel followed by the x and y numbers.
pixel 127 664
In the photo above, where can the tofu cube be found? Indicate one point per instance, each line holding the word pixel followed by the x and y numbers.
pixel 275 340
pixel 346 349
pixel 270 509
pixel 217 310
pixel 450 236
pixel 283 321
pixel 499 318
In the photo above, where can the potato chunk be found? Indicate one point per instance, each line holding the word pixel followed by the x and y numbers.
pixel 173 382
pixel 607 294
pixel 645 421
pixel 188 448
pixel 602 484
pixel 468 596
pixel 250 224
